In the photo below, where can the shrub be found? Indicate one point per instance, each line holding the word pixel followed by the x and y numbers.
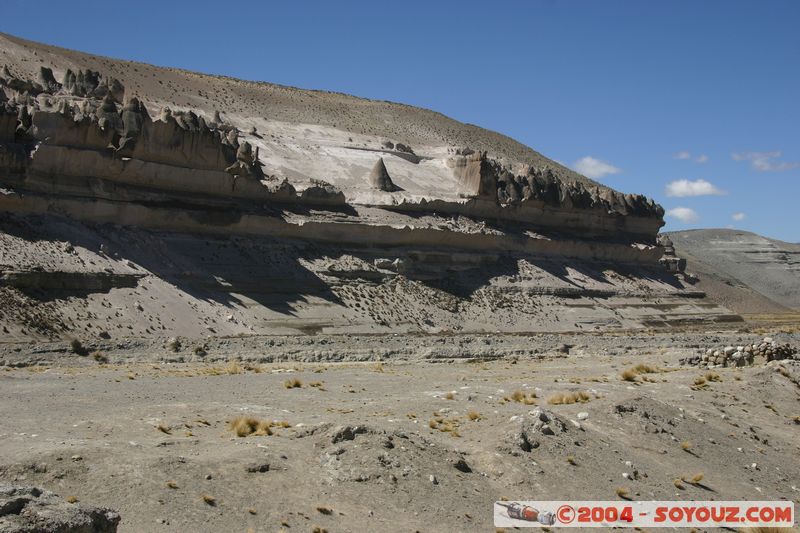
pixel 293 383
pixel 568 398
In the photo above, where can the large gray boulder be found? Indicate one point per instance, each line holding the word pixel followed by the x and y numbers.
pixel 33 510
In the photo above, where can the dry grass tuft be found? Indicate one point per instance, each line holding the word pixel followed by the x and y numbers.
pixel 563 398
pixel 293 383
pixel 325 510
pixel 522 397
pixel 209 499
pixel 632 373
pixel 678 484
pixel 244 426
pixel 474 416
pixel 252 511
pixel 686 445
pixel 571 460
pixel 693 480
pixel 623 493
pixel 234 368
pixel 100 357
pixel 172 485
pixel 449 425
pixel 450 396
pixel 712 376
pixel 319 529
pixel 164 429
pixel 72 499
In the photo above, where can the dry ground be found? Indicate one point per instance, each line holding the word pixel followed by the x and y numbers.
pixel 354 446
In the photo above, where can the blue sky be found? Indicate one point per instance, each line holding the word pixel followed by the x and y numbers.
pixel 702 95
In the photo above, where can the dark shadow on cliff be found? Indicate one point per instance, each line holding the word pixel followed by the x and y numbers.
pixel 229 271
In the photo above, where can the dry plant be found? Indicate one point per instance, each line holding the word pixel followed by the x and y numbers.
pixel 325 510
pixel 623 493
pixel 245 426
pixel 686 446
pixel 450 396
pixel 209 499
pixel 293 383
pixel 522 397
pixel 571 460
pixel 693 480
pixel 100 357
pixel 72 499
pixel 474 416
pixel 164 429
pixel 634 372
pixel 564 398
pixel 172 485
pixel 449 425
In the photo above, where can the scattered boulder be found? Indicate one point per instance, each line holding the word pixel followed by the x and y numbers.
pixel 343 433
pixel 730 356
pixel 537 426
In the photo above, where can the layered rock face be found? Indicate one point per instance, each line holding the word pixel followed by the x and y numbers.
pixel 466 223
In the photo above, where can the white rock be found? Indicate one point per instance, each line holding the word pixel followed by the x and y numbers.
pixel 583 415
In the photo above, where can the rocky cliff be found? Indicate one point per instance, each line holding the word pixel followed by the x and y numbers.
pixel 741 270
pixel 304 210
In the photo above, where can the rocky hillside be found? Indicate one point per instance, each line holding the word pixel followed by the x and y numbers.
pixel 138 200
pixel 745 272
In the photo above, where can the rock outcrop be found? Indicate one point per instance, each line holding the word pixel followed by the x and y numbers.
pixel 494 229
pixel 379 177
pixel 30 509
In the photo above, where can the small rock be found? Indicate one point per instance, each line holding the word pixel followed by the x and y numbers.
pixel 433 479
pixel 583 415
pixel 257 468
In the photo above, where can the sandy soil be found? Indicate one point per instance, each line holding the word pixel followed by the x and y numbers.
pixel 422 445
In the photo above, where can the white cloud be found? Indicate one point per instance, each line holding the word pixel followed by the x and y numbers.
pixel 685 155
pixel 683 188
pixel 594 168
pixel 762 161
pixel 738 216
pixel 684 214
